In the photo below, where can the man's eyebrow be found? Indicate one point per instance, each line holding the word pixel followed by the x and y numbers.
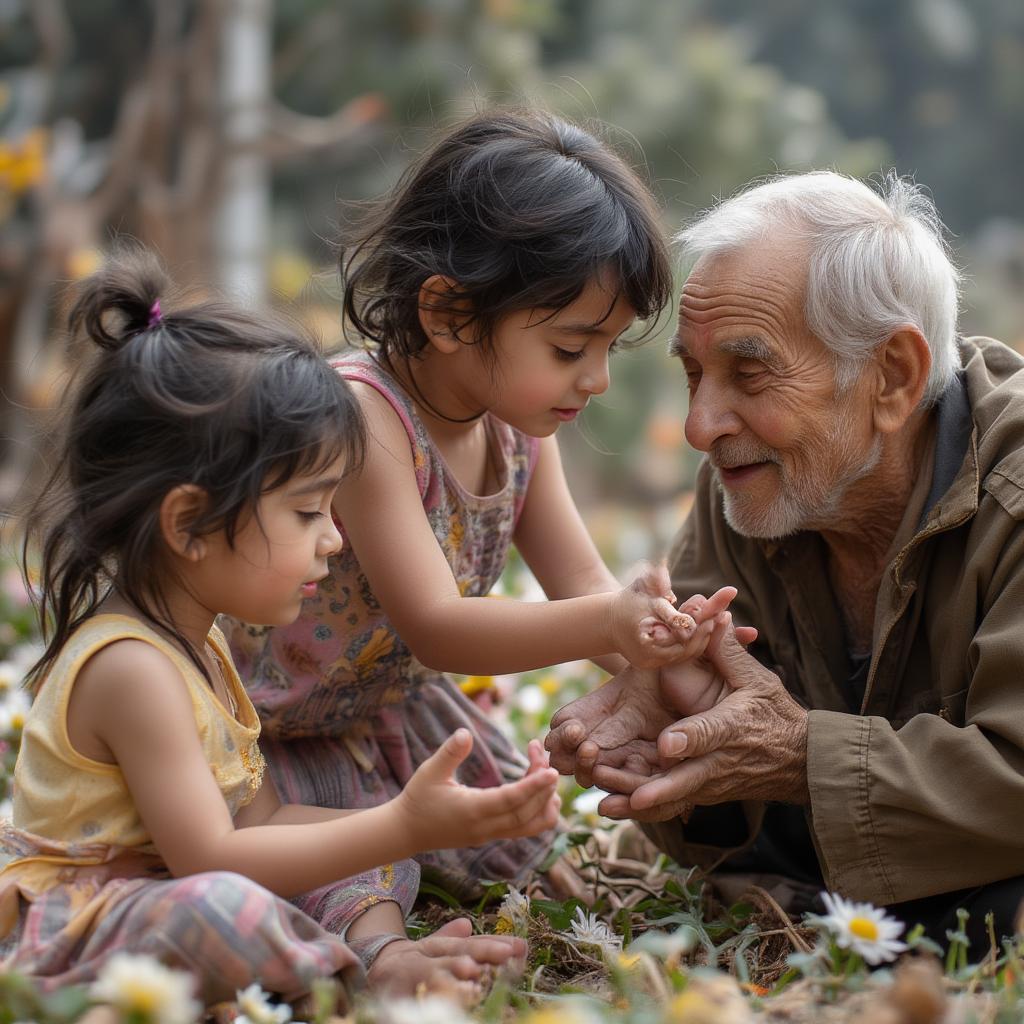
pixel 751 348
pixel 742 348
pixel 324 483
pixel 676 348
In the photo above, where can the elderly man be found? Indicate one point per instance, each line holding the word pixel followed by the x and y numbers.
pixel 863 489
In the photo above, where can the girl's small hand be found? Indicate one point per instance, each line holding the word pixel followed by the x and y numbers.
pixel 441 813
pixel 646 628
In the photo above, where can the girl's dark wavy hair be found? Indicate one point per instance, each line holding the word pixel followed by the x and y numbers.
pixel 521 210
pixel 207 394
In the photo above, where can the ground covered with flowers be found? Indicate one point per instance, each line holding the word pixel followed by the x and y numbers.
pixel 643 941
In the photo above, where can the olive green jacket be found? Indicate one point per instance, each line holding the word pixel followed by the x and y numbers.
pixel 918 788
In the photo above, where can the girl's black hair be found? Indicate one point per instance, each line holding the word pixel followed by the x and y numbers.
pixel 203 394
pixel 521 210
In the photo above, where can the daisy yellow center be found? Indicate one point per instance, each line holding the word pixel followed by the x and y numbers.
pixel 864 928
pixel 140 999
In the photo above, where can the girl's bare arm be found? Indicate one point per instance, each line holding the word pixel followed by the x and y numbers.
pixel 384 520
pixel 141 711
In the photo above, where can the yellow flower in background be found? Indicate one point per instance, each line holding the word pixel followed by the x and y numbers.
pixel 290 274
pixel 472 685
pixel 83 262
pixel 711 999
pixel 550 683
pixel 23 164
pixel 565 1011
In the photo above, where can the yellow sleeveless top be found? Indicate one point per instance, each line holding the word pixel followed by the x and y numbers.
pixel 61 795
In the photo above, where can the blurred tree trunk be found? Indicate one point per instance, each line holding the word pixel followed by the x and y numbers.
pixel 243 221
pixel 185 169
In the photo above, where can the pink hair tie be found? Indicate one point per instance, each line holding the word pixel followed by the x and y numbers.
pixel 155 316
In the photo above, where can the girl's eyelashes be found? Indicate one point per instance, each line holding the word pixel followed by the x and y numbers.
pixel 309 517
pixel 568 355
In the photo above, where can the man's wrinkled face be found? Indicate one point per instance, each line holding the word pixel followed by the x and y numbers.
pixel 785 445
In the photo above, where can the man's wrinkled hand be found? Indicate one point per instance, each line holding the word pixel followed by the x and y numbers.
pixel 617 721
pixel 750 745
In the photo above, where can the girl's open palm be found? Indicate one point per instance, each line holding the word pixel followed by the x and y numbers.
pixel 442 813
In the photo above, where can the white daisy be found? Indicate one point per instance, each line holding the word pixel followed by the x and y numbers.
pixel 587 930
pixel 531 700
pixel 13 711
pixel 514 914
pixel 866 930
pixel 257 1009
pixel 10 676
pixel 588 801
pixel 146 991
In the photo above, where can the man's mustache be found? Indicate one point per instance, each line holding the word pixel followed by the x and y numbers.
pixel 741 452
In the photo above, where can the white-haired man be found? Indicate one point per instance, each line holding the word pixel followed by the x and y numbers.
pixel 864 489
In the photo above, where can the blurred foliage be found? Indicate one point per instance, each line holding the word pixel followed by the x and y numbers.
pixel 700 96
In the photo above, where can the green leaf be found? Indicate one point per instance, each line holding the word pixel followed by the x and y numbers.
pixel 429 889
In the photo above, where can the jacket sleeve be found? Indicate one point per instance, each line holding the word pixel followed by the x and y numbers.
pixel 934 806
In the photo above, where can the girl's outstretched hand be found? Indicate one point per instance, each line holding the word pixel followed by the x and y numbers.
pixel 650 631
pixel 441 813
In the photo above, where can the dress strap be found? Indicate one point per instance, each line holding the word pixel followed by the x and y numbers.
pixel 363 368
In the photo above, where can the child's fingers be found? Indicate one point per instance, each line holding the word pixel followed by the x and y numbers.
pixel 536 819
pixel 514 809
pixel 655 580
pixel 537 756
pixel 703 608
pixel 502 799
pixel 680 623
pixel 719 601
pixel 484 949
pixel 657 632
pixel 444 762
pixel 692 646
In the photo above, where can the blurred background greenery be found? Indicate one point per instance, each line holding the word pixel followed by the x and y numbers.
pixel 230 134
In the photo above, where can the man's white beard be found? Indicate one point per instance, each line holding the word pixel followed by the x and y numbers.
pixel 811 502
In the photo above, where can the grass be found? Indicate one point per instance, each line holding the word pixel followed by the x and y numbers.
pixel 642 940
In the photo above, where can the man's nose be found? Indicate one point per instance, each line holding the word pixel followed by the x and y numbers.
pixel 710 417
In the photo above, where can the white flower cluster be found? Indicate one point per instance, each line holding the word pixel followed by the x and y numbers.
pixel 256 1008
pixel 14 700
pixel 514 913
pixel 589 932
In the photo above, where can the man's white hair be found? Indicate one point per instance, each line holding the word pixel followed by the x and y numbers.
pixel 878 261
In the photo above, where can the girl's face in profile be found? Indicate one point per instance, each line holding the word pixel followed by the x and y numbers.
pixel 543 368
pixel 279 555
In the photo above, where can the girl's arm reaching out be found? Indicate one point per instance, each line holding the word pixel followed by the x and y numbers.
pixel 130 699
pixel 384 520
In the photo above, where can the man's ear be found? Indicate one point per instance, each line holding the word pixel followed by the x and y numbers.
pixel 181 507
pixel 439 316
pixel 903 363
